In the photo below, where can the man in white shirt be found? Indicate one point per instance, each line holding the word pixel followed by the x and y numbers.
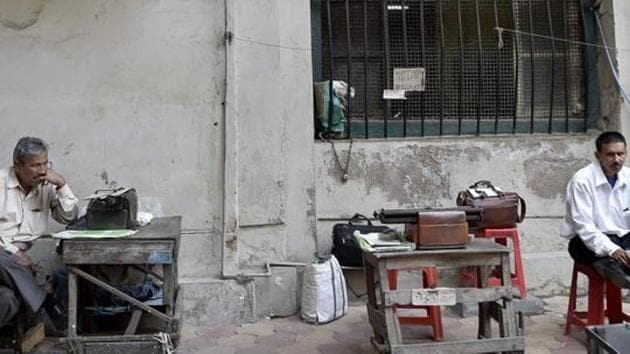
pixel 598 211
pixel 30 192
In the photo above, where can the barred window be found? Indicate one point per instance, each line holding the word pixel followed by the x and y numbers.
pixel 485 71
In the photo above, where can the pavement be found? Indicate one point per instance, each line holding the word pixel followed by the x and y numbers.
pixel 351 334
pixel 544 333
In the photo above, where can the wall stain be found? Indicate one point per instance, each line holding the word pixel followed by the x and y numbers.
pixel 232 244
pixel 68 149
pixel 110 184
pixel 20 15
pixel 548 173
pixel 412 175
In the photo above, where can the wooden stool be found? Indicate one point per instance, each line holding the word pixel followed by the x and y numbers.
pixel 501 236
pixel 598 308
pixel 434 313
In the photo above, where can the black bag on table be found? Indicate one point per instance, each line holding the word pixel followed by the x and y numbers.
pixel 112 209
pixel 344 248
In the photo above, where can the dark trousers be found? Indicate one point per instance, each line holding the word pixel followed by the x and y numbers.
pixel 9 305
pixel 17 284
pixel 582 254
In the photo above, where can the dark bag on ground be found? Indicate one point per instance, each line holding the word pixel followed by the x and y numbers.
pixel 344 248
pixel 500 209
pixel 112 209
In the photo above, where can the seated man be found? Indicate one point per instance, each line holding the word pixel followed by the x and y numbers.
pixel 598 211
pixel 30 191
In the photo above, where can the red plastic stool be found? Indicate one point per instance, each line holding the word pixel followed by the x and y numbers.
pixel 501 236
pixel 597 310
pixel 434 313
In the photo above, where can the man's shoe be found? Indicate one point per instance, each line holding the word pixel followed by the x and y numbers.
pixel 51 329
pixel 613 271
pixel 54 308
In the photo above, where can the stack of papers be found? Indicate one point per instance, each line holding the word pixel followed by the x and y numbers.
pixel 70 234
pixel 380 242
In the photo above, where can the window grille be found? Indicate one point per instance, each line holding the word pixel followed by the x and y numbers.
pixel 527 84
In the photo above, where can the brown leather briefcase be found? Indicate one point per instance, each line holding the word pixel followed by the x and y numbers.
pixel 439 229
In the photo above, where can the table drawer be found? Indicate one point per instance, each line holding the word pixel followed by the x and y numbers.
pixel 118 251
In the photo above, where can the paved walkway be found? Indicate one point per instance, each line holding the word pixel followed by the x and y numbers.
pixel 351 334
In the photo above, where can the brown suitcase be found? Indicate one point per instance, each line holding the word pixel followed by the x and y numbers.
pixel 439 229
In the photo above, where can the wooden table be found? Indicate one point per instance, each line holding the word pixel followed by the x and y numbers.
pixel 609 338
pixel 154 244
pixel 494 302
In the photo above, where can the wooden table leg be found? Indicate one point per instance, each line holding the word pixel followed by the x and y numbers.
pixel 168 289
pixel 506 281
pixel 72 304
pixel 374 315
pixel 394 337
pixel 485 328
pixel 369 284
pixel 133 322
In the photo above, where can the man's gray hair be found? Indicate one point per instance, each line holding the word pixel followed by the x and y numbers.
pixel 28 147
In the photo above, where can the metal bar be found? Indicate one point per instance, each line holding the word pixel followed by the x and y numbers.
pixel 553 66
pixel 531 64
pixel 386 71
pixel 348 63
pixel 405 53
pixel 515 45
pixel 422 62
pixel 442 46
pixel 566 65
pixel 479 67
pixel 461 68
pixel 497 86
pixel 365 68
pixel 331 61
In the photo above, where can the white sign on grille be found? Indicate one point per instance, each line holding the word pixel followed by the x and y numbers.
pixel 409 79
pixel 437 296
pixel 394 95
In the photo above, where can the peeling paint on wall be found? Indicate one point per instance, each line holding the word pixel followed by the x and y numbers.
pixel 410 174
pixel 547 174
pixel 20 15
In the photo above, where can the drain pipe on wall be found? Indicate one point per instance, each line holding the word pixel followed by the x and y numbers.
pixel 229 254
pixel 230 264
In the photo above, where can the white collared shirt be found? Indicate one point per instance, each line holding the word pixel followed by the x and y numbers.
pixel 594 208
pixel 23 218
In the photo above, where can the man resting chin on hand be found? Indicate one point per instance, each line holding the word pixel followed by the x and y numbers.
pixel 30 193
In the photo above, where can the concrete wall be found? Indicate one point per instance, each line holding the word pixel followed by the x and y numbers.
pixel 131 93
pixel 430 172
pixel 126 93
pixel 146 93
pixel 621 39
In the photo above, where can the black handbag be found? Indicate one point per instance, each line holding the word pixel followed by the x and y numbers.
pixel 114 209
pixel 344 248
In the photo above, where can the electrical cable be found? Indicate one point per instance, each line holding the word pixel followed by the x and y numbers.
pixel 272 45
pixel 500 30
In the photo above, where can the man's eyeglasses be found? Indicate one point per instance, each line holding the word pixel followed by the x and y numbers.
pixel 44 165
